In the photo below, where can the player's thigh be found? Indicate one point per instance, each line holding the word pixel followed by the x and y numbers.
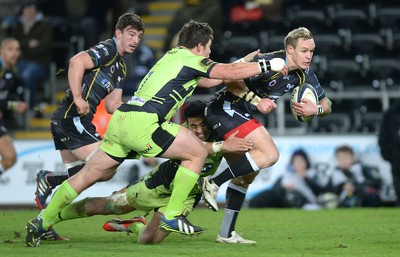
pixel 139 132
pixel 100 167
pixel 262 140
pixel 186 146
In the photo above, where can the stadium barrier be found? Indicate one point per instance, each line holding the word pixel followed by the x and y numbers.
pixel 17 185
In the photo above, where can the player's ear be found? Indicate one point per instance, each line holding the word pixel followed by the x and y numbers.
pixel 290 49
pixel 118 33
pixel 199 47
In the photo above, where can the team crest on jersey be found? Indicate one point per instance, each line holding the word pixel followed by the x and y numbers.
pixel 148 148
pixel 206 62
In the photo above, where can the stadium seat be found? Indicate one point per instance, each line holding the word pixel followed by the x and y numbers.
pixel 357 20
pixel 384 67
pixel 343 68
pixel 364 43
pixel 385 71
pixel 389 17
pixel 314 20
pixel 275 43
pixel 328 44
pixel 239 46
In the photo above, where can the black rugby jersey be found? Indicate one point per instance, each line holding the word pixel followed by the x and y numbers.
pixel 109 72
pixel 11 86
pixel 273 85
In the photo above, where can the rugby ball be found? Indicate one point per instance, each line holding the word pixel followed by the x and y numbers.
pixel 303 91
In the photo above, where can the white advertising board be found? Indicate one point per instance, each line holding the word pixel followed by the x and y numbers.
pixel 17 185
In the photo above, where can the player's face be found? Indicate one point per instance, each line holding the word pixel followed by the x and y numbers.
pixel 206 50
pixel 303 53
pixel 10 53
pixel 129 40
pixel 198 126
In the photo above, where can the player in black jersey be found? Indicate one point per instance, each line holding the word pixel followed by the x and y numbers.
pixel 231 111
pixel 11 98
pixel 95 74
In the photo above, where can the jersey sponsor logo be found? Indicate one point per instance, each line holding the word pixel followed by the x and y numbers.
pixel 96 53
pixel 206 62
pixel 217 125
pixel 104 48
pixel 107 85
pixel 289 87
pixel 64 139
pixel 137 101
pixel 148 149
pixel 112 69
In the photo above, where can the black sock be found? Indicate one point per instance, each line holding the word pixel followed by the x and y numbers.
pixel 55 179
pixel 235 196
pixel 240 167
pixel 73 170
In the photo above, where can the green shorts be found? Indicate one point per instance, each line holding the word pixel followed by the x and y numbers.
pixel 138 133
pixel 144 199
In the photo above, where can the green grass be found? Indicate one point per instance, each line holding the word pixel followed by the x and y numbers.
pixel 279 232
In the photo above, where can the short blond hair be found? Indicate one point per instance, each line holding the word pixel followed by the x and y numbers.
pixel 294 35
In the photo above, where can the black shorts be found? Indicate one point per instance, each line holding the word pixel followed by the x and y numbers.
pixel 227 114
pixel 73 133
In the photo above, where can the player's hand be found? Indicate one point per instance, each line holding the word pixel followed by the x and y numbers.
pixel 236 144
pixel 82 106
pixel 305 108
pixel 285 70
pixel 250 56
pixel 266 105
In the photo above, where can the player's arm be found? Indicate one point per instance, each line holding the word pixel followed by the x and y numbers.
pixel 232 144
pixel 239 88
pixel 113 100
pixel 241 70
pixel 77 66
pixel 208 83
